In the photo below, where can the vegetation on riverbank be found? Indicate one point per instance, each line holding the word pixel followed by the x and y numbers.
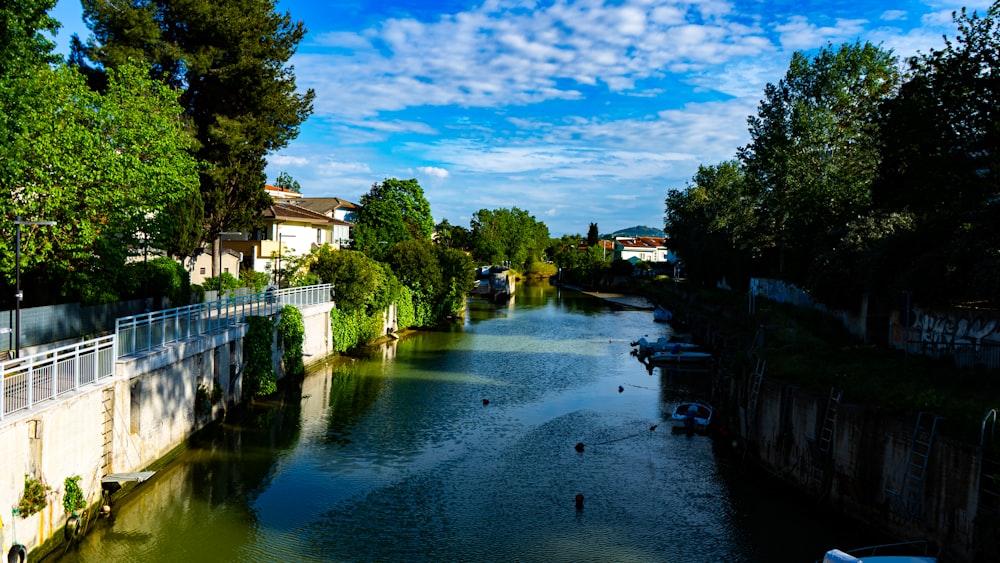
pixel 810 349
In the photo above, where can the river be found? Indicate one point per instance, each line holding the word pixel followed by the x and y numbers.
pixel 459 445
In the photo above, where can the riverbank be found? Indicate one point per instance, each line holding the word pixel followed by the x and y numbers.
pixel 839 425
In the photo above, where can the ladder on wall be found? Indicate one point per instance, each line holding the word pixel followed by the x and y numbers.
pixel 755 382
pixel 911 493
pixel 824 441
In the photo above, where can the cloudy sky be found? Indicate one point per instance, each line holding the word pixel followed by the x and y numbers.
pixel 577 111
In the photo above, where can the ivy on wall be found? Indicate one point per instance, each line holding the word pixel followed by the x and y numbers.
pixel 259 379
pixel 291 334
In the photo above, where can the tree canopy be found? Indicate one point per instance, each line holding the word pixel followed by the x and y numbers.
pixel 228 58
pixel 507 235
pixel 391 212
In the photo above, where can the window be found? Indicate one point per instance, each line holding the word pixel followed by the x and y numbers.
pixel 319 236
pixel 201 271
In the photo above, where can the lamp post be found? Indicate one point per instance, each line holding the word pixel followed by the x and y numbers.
pixel 18 295
pixel 277 270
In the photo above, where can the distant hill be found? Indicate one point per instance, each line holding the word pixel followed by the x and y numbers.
pixel 637 231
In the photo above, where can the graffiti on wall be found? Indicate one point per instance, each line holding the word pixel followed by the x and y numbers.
pixel 972 328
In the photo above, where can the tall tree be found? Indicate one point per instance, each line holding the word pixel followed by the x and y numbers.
pixel 286 182
pixel 592 235
pixel 24 45
pixel 229 59
pixel 814 149
pixel 942 163
pixel 391 212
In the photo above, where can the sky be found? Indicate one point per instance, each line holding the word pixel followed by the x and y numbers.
pixel 576 111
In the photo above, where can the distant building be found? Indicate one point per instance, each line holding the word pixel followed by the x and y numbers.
pixel 647 249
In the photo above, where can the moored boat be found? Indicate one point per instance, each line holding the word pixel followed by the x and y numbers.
pixel 662 344
pixel 692 417
pixel 885 553
pixel 678 355
pixel 662 314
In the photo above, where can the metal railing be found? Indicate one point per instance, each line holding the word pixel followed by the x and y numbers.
pixel 148 331
pixel 45 376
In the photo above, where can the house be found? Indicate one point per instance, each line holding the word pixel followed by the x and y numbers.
pixel 293 226
pixel 647 249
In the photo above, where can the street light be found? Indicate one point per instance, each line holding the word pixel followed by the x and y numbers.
pixel 277 269
pixel 18 295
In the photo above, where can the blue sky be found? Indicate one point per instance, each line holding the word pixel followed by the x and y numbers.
pixel 578 112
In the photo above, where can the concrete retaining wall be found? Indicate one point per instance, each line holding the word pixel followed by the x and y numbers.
pixel 128 422
pixel 863 474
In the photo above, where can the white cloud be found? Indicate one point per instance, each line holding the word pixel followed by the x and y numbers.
pixel 894 15
pixel 433 171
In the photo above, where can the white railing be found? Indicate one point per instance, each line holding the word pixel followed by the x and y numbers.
pixel 148 331
pixel 47 375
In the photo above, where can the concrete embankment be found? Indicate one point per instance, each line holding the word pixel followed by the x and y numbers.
pixel 109 431
pixel 902 477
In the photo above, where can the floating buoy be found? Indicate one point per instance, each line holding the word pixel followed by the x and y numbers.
pixel 620 388
pixel 579 446
pixel 579 501
pixel 486 401
pixel 651 428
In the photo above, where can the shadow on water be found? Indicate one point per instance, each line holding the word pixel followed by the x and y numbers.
pixel 393 455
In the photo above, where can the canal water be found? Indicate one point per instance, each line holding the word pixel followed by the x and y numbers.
pixel 395 455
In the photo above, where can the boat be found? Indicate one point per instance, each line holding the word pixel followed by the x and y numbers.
pixel 662 314
pixel 645 348
pixel 692 417
pixel 679 355
pixel 880 554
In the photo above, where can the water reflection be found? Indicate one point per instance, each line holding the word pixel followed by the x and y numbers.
pixel 393 456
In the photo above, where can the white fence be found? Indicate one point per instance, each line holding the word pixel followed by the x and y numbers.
pixel 47 376
pixel 141 333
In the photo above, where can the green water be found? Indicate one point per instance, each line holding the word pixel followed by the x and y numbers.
pixel 393 456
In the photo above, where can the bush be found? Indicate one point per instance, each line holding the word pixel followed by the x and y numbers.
pixel 34 498
pixel 291 332
pixel 259 379
pixel 73 499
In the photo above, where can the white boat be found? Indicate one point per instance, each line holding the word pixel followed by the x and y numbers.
pixel 678 355
pixel 878 554
pixel 693 417
pixel 662 344
pixel 662 314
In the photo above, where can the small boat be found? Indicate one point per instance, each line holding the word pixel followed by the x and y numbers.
pixel 678 355
pixel 879 554
pixel 661 314
pixel 662 344
pixel 693 417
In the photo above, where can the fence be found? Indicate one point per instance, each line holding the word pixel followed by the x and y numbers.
pixel 141 333
pixel 43 377
pixel 46 376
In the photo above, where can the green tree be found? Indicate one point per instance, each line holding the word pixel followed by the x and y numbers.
pixel 451 236
pixel 507 235
pixel 361 283
pixel 709 225
pixel 391 212
pixel 228 58
pixel 592 235
pixel 24 45
pixel 105 167
pixel 457 277
pixel 285 181
pixel 941 164
pixel 814 150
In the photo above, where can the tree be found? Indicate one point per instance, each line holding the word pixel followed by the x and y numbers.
pixel 286 182
pixel 361 283
pixel 24 46
pixel 457 277
pixel 106 167
pixel 228 58
pixel 451 236
pixel 592 235
pixel 710 226
pixel 391 212
pixel 814 150
pixel 507 235
pixel 942 161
